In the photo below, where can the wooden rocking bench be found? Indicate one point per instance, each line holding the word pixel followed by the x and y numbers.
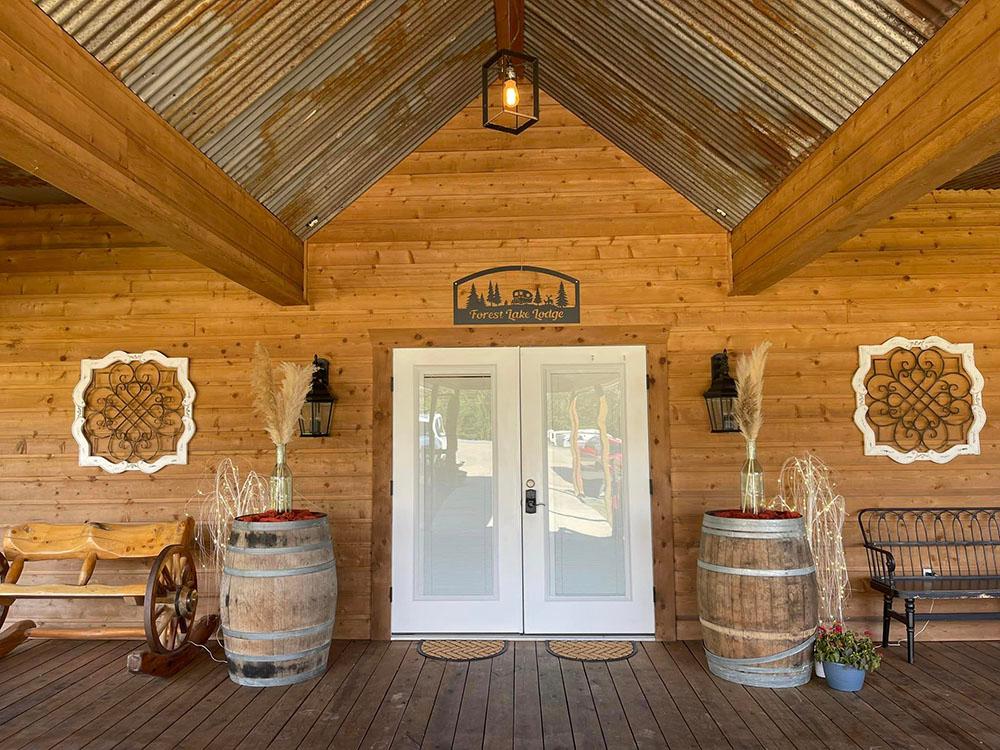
pixel 169 594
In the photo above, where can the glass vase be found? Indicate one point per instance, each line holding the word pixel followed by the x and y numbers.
pixel 751 481
pixel 281 483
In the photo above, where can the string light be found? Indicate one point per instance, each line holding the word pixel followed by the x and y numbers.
pixel 805 487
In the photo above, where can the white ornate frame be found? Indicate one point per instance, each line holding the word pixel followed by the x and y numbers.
pixel 87 368
pixel 969 448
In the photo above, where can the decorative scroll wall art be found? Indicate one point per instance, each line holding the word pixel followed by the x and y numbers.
pixel 133 412
pixel 516 295
pixel 919 400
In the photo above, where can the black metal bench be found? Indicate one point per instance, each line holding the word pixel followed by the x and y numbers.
pixel 931 553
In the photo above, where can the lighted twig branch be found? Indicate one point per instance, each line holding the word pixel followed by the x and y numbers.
pixel 805 486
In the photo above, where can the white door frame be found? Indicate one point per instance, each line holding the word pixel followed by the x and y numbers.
pixel 494 622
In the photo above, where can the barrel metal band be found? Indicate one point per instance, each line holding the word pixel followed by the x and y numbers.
pixel 279 550
pixel 751 534
pixel 753 661
pixel 281 573
pixel 277 681
pixel 325 646
pixel 273 635
pixel 279 526
pixel 760 572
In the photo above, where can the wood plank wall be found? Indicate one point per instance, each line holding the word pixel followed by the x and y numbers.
pixel 74 285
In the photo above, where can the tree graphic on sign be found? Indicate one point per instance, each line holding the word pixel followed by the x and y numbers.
pixel 561 299
pixel 474 299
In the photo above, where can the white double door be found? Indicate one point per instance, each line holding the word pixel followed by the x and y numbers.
pixel 521 498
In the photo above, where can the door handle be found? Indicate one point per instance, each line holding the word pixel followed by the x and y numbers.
pixel 531 501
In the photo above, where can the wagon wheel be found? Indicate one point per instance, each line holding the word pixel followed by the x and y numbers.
pixel 4 567
pixel 171 599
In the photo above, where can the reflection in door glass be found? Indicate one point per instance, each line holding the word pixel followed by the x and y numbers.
pixel 586 554
pixel 456 533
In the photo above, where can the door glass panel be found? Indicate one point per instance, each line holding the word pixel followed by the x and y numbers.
pixel 456 545
pixel 586 544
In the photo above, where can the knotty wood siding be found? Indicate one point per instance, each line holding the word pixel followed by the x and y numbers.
pixel 74 285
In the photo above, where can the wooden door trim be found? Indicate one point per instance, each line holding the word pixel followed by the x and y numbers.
pixel 654 338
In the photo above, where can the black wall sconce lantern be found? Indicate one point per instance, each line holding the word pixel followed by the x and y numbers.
pixel 721 395
pixel 510 91
pixel 317 412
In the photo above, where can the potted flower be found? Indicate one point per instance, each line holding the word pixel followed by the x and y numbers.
pixel 846 656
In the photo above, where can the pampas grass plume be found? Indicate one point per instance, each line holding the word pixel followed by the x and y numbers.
pixel 749 407
pixel 279 407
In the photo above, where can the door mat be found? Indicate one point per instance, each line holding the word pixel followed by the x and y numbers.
pixel 461 650
pixel 592 650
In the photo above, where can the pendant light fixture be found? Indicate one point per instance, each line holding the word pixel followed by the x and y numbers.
pixel 510 77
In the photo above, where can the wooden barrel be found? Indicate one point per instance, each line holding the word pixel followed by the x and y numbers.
pixel 278 598
pixel 757 600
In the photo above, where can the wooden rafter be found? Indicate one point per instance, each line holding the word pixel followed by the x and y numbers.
pixel 936 117
pixel 66 119
pixel 510 24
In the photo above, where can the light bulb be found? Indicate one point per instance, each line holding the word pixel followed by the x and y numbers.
pixel 511 97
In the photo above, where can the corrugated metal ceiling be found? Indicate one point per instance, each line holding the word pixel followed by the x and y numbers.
pixel 983 176
pixel 20 188
pixel 304 103
pixel 307 103
pixel 722 98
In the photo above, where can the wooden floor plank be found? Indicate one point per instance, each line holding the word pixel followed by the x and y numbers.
pixel 919 727
pixel 756 718
pixel 80 688
pixel 360 715
pixel 582 712
pixel 413 724
pixel 668 718
pixel 732 725
pixel 332 716
pixel 829 733
pixel 22 665
pixel 610 712
pixel 962 713
pixel 381 695
pixel 171 713
pixel 298 725
pixel 702 725
pixel 557 730
pixel 499 732
pixel 864 726
pixel 961 678
pixel 527 699
pixel 645 730
pixel 23 702
pixel 47 681
pixel 110 726
pixel 443 720
pixel 471 727
pixel 390 712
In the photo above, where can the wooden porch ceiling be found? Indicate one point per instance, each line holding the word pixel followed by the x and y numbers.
pixel 380 694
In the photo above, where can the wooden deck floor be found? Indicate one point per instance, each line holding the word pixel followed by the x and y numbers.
pixel 77 694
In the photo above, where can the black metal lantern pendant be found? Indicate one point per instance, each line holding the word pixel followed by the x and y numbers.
pixel 317 411
pixel 721 395
pixel 510 91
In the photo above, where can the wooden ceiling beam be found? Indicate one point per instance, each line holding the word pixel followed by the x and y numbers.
pixel 509 16
pixel 936 117
pixel 68 120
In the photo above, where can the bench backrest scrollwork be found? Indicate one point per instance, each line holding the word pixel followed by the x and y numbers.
pixel 957 542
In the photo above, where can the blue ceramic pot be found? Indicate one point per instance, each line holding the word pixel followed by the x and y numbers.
pixel 844 678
